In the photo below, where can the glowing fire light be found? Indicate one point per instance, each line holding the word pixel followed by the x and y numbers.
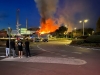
pixel 42 32
pixel 48 26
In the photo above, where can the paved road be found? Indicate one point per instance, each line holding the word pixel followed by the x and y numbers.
pixel 53 58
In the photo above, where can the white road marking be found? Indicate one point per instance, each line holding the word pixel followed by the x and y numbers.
pixel 2 56
pixel 85 47
pixel 77 52
pixel 88 48
pixel 49 51
pixel 95 49
pixel 71 57
pixel 41 48
pixel 53 60
pixel 63 55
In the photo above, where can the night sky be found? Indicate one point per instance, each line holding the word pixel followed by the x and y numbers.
pixel 68 12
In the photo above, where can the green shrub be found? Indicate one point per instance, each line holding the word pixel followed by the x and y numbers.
pixel 93 39
pixel 82 37
pixel 77 42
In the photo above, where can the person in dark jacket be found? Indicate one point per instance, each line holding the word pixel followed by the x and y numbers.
pixel 7 48
pixel 27 48
pixel 12 43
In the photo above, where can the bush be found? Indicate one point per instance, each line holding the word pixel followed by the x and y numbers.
pixel 82 37
pixel 97 33
pixel 77 42
pixel 93 39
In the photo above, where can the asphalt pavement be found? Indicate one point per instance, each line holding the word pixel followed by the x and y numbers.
pixel 53 58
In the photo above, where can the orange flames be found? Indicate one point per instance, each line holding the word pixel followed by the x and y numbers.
pixel 47 26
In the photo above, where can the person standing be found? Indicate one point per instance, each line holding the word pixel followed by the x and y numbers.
pixel 7 48
pixel 20 48
pixel 27 49
pixel 12 43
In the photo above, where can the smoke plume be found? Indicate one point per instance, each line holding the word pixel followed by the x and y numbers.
pixel 47 8
pixel 70 12
pixel 67 12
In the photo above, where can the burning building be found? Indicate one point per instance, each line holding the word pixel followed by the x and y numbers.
pixel 48 26
pixel 47 10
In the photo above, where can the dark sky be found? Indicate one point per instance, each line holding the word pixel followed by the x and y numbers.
pixel 68 12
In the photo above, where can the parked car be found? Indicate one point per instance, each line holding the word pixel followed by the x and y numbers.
pixel 45 40
pixel 37 39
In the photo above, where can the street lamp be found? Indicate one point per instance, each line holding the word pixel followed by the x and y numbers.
pixel 92 32
pixel 84 21
pixel 39 31
pixel 9 33
pixel 75 31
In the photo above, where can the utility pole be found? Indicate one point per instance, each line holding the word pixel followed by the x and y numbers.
pixel 17 23
pixel 26 23
pixel 9 33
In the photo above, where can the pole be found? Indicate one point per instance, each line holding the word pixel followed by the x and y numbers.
pixel 83 28
pixel 26 23
pixel 9 43
pixel 9 32
pixel 75 32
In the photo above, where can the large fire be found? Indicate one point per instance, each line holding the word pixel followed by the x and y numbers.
pixel 48 26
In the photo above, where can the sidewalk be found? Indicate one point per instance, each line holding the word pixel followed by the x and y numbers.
pixel 42 59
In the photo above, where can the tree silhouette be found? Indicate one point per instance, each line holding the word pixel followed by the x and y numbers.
pixel 98 25
pixel 60 32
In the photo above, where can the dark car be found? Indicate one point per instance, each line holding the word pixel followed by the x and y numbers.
pixel 37 39
pixel 45 40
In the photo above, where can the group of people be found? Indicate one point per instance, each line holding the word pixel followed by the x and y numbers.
pixel 18 45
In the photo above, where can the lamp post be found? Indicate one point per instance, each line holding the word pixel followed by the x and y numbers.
pixel 9 33
pixel 84 21
pixel 92 32
pixel 39 32
pixel 75 31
